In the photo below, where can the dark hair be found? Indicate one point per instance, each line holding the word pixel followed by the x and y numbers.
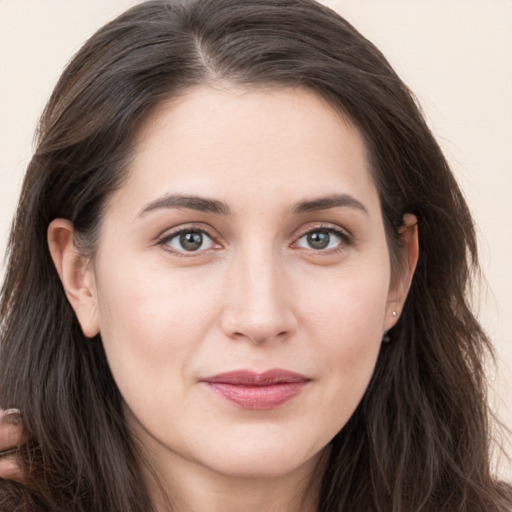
pixel 420 438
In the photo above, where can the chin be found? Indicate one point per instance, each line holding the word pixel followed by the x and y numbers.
pixel 263 460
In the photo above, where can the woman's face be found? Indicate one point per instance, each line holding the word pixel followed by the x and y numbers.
pixel 242 281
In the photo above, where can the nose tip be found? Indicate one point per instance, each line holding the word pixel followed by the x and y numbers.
pixel 259 308
pixel 256 330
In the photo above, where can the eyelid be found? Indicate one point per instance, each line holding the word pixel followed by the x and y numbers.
pixel 346 237
pixel 169 234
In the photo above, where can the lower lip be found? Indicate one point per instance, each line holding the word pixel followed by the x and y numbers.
pixel 258 397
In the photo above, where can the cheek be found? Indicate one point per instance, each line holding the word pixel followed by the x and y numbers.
pixel 154 305
pixel 346 324
pixel 347 306
pixel 150 325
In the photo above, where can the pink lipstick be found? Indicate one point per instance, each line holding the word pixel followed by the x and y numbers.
pixel 251 390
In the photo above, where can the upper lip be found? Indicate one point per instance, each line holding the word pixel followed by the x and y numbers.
pixel 251 378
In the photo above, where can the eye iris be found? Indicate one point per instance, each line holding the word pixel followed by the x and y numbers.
pixel 191 241
pixel 319 239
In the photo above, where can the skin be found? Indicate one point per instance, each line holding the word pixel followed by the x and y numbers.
pixel 10 438
pixel 256 294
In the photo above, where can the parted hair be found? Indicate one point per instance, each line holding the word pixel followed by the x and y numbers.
pixel 420 438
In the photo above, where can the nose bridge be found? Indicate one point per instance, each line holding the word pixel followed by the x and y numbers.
pixel 258 306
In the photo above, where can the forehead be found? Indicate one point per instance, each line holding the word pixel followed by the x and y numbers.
pixel 217 140
pixel 259 110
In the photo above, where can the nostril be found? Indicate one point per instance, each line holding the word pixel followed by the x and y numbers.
pixel 256 307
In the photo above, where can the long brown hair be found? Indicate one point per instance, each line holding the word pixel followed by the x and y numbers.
pixel 420 438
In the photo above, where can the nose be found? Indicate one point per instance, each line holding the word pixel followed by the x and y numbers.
pixel 258 302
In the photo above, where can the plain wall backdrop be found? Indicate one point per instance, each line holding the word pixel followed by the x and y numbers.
pixel 456 55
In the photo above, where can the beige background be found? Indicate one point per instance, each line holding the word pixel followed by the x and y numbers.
pixel 456 55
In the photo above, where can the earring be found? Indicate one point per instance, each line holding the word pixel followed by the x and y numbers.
pixel 386 338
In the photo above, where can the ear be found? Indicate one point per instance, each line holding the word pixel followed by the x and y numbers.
pixel 409 253
pixel 76 274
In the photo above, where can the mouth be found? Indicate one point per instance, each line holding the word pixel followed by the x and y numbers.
pixel 251 390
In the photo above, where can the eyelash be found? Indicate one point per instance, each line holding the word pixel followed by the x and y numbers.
pixel 166 239
pixel 345 240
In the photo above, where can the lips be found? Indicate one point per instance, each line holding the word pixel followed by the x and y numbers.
pixel 251 390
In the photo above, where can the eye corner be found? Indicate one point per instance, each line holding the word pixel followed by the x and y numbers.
pixel 188 242
pixel 323 239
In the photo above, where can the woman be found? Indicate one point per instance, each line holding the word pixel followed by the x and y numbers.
pixel 215 299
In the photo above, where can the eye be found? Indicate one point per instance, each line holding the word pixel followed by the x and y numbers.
pixel 188 240
pixel 322 239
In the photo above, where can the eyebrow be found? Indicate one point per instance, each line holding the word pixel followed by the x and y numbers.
pixel 208 205
pixel 333 201
pixel 178 201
